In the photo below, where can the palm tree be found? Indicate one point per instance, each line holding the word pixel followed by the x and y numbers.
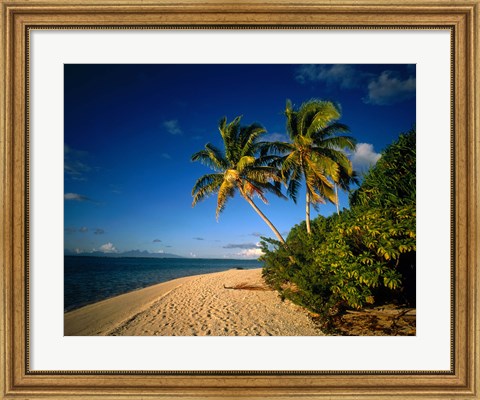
pixel 315 152
pixel 237 169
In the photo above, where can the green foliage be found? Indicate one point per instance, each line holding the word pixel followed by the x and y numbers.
pixel 391 182
pixel 237 169
pixel 236 166
pixel 315 153
pixel 362 256
pixel 346 259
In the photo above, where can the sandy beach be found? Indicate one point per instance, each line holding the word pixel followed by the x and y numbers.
pixel 230 303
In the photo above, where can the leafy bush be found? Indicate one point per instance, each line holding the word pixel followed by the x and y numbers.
pixel 392 182
pixel 363 255
pixel 360 252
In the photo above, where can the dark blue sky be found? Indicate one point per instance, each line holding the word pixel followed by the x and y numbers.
pixel 130 131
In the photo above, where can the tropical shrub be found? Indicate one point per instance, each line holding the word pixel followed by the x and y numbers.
pixel 362 256
pixel 392 182
pixel 358 253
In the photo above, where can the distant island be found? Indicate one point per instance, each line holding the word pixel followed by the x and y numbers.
pixel 130 253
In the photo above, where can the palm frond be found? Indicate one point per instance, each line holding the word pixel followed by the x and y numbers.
pixel 275 161
pixel 327 190
pixel 250 190
pixel 312 189
pixel 222 124
pixel 332 129
pixel 346 180
pixel 274 188
pixel 274 147
pixel 319 169
pixel 226 190
pixel 291 115
pixel 304 141
pixel 336 156
pixel 290 162
pixel 245 162
pixel 211 157
pixel 314 115
pixel 206 186
pixel 262 174
pixel 271 160
pixel 336 142
pixel 248 137
pixel 325 114
pixel 229 133
pixel 293 188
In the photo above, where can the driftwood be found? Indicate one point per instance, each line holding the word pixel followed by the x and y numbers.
pixel 246 286
pixel 409 312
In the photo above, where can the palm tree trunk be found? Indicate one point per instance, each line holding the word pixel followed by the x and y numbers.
pixel 336 198
pixel 307 213
pixel 262 215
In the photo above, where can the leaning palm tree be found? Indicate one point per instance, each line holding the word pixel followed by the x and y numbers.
pixel 237 169
pixel 314 153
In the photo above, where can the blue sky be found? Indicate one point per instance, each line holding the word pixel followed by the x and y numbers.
pixel 130 131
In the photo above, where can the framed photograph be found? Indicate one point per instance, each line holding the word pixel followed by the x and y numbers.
pixel 110 108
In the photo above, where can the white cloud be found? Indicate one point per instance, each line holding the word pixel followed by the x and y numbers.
pixel 256 252
pixel 108 248
pixel 248 250
pixel 384 89
pixel 75 197
pixel 389 89
pixel 344 75
pixel 172 127
pixel 364 157
pixel 166 156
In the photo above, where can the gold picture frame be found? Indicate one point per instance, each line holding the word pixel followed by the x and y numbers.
pixel 18 17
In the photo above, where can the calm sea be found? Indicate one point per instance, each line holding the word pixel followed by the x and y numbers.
pixel 91 279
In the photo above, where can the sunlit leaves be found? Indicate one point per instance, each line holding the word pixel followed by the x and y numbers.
pixel 237 165
pixel 316 152
pixel 392 181
pixel 352 257
pixel 206 186
pixel 226 190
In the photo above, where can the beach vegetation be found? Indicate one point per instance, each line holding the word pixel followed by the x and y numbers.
pixel 238 168
pixel 315 153
pixel 362 256
pixel 392 182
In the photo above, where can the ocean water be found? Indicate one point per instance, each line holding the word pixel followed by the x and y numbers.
pixel 91 279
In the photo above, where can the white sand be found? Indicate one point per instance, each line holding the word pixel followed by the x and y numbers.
pixel 195 306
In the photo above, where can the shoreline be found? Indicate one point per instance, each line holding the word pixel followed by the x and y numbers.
pixel 229 303
pixel 98 318
pixel 88 280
